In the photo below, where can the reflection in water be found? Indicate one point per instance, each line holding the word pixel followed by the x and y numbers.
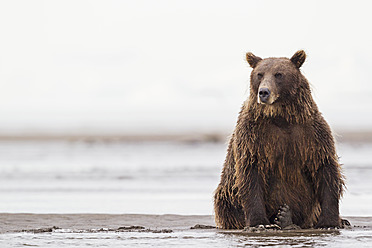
pixel 297 239
pixel 354 237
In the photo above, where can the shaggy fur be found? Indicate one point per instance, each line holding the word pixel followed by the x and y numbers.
pixel 280 153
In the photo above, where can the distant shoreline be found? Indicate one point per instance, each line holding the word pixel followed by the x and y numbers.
pixel 191 137
pixel 340 136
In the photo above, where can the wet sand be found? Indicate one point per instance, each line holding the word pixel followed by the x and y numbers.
pixel 26 222
pixel 137 230
pixel 38 223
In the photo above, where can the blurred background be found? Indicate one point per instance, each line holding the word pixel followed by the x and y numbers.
pixel 126 106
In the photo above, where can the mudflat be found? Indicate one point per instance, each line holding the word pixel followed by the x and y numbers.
pixel 29 222
pixel 140 230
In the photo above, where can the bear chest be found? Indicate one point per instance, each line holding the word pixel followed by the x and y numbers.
pixel 283 148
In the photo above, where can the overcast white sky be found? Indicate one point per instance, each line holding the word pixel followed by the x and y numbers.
pixel 173 65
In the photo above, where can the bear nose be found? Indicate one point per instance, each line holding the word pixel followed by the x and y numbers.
pixel 264 94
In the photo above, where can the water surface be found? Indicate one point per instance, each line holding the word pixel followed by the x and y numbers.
pixel 145 178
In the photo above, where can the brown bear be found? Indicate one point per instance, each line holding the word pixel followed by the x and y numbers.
pixel 281 154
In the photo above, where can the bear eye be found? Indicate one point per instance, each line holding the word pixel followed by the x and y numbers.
pixel 259 75
pixel 278 75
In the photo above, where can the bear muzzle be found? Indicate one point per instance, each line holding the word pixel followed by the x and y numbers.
pixel 264 95
pixel 267 92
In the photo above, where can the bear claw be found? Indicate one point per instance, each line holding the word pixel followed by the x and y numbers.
pixel 284 217
pixel 263 228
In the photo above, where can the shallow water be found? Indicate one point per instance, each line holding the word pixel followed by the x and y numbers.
pixel 78 177
pixel 178 239
pixel 147 178
pixel 138 177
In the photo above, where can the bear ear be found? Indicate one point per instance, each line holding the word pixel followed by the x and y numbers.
pixel 252 59
pixel 298 58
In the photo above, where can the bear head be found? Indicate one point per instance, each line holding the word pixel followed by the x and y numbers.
pixel 276 80
pixel 279 90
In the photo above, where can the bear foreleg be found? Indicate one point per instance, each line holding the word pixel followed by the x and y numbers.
pixel 251 191
pixel 329 191
pixel 228 213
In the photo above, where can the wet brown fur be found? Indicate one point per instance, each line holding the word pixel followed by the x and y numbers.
pixel 282 153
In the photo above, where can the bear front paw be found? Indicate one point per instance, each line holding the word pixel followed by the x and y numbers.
pixel 254 222
pixel 284 217
pixel 325 222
